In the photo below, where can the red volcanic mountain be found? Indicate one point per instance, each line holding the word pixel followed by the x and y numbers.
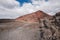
pixel 33 17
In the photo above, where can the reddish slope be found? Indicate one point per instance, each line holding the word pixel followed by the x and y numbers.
pixel 33 17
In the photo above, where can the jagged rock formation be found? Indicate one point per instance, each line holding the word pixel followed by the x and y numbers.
pixel 50 28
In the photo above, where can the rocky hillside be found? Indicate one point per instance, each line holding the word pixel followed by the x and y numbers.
pixel 35 26
pixel 49 25
pixel 50 28
pixel 33 17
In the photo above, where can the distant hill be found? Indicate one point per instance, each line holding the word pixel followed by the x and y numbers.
pixel 6 20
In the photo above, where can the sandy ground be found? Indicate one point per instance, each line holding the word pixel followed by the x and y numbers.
pixel 24 31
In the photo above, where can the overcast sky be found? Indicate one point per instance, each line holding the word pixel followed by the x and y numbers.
pixel 16 8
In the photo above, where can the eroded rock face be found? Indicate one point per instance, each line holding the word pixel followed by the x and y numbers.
pixel 50 28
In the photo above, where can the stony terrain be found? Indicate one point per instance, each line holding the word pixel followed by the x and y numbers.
pixel 35 26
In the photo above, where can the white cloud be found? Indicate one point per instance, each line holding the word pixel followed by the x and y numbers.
pixel 11 9
pixel 9 3
pixel 50 7
pixel 7 8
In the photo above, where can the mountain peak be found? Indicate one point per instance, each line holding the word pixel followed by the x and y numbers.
pixel 33 17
